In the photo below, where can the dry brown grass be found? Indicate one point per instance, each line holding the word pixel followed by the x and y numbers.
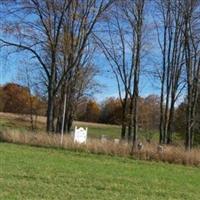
pixel 170 154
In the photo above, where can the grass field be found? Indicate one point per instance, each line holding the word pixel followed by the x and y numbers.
pixel 95 130
pixel 22 123
pixel 42 173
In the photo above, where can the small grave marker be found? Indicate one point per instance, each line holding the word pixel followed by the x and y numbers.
pixel 140 146
pixel 116 141
pixel 160 149
pixel 103 138
pixel 80 135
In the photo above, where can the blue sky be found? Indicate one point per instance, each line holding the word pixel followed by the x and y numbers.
pixel 109 86
pixel 9 69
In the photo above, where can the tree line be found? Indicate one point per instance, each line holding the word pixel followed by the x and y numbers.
pixel 15 98
pixel 110 111
pixel 61 38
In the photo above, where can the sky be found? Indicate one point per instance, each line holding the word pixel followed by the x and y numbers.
pixel 109 86
pixel 9 69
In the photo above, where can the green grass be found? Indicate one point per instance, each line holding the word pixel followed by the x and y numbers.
pixel 17 123
pixel 94 130
pixel 12 124
pixel 42 173
pixel 97 130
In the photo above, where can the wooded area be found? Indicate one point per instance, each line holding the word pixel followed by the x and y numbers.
pixel 59 40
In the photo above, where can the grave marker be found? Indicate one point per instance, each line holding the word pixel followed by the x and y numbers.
pixel 80 135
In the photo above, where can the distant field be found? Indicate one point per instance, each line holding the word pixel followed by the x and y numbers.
pixel 49 174
pixel 95 130
pixel 22 123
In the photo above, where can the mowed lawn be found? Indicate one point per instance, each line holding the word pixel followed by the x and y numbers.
pixel 43 173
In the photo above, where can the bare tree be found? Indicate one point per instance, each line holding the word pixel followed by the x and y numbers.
pixel 191 13
pixel 38 28
pixel 123 52
pixel 76 70
pixel 170 38
pixel 135 15
pixel 114 46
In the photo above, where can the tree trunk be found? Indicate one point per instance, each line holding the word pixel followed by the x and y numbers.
pixel 135 116
pixel 161 116
pixel 51 98
pixel 123 128
pixel 188 141
pixel 130 125
pixel 171 120
pixel 50 113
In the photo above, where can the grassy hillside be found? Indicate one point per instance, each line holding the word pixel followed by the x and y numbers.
pixel 22 123
pixel 39 173
pixel 95 130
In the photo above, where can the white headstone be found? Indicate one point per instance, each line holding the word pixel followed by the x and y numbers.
pixel 160 149
pixel 116 141
pixel 140 146
pixel 80 135
pixel 103 139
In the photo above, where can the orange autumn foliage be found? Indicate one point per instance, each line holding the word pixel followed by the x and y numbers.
pixel 15 98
